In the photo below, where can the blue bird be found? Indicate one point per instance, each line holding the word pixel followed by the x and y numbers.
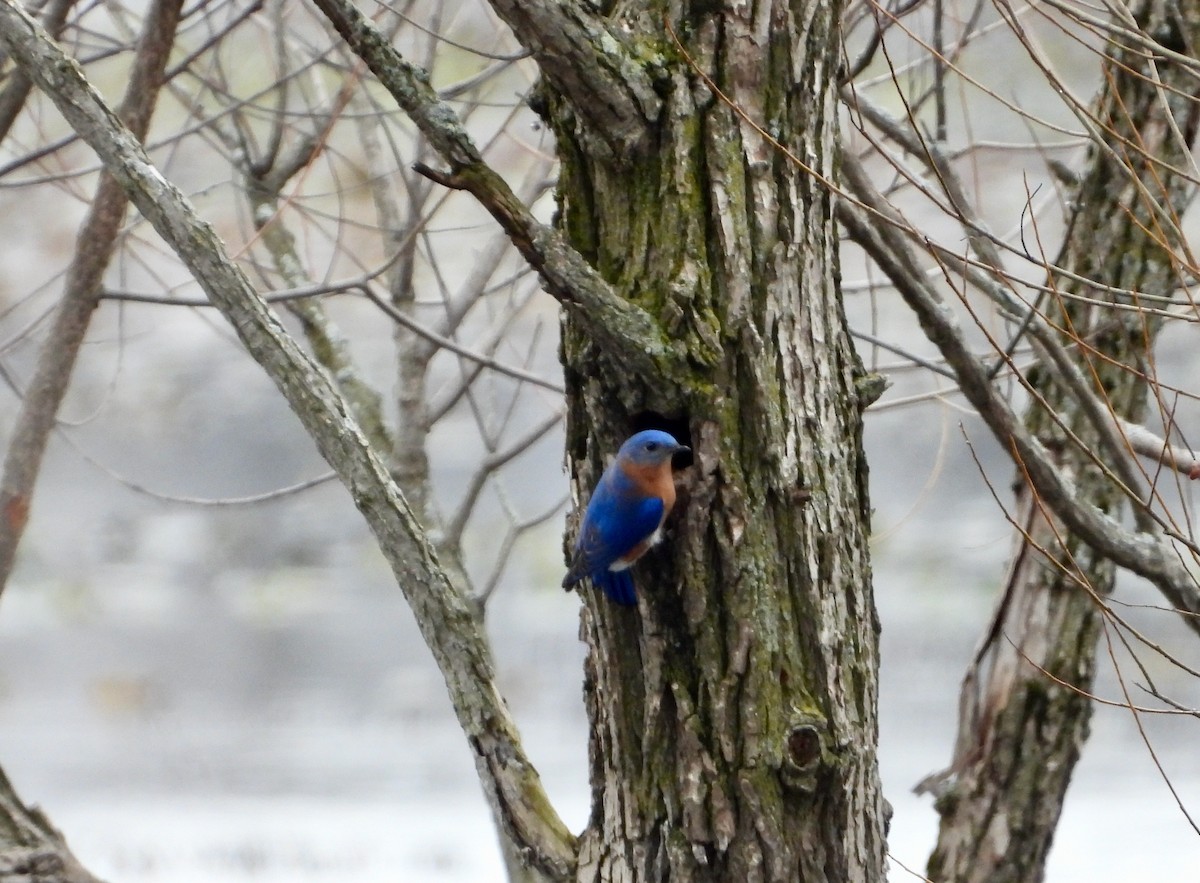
pixel 625 515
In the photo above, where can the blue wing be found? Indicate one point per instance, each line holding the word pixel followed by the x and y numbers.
pixel 616 520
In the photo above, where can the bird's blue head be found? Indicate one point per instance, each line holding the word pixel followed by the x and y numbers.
pixel 650 447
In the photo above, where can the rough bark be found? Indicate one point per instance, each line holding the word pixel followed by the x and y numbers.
pixel 733 723
pixel 31 849
pixel 1020 732
pixel 582 55
pixel 734 713
pixel 625 329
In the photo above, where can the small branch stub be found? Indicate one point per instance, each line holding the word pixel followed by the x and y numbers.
pixel 445 179
pixel 870 387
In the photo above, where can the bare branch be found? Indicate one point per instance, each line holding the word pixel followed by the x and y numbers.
pixel 1146 443
pixel 211 502
pixel 446 621
pixel 1151 557
pixel 626 331
pixel 266 179
pixel 17 89
pixel 93 250
pixel 459 350
pixel 488 467
pixel 516 530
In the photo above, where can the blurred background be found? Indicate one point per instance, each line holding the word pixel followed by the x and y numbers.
pixel 198 687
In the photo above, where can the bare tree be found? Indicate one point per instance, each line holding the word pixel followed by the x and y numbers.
pixel 1020 732
pixel 702 179
pixel 1090 325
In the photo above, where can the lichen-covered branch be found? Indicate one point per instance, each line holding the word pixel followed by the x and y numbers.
pixel 445 618
pixel 626 330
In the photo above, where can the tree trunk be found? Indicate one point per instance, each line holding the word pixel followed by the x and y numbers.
pixel 1020 728
pixel 31 849
pixel 733 713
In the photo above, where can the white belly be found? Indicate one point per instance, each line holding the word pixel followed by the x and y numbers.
pixel 653 540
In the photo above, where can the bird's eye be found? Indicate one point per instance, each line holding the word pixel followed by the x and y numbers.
pixel 651 446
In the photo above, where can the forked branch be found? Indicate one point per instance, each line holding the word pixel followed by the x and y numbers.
pixel 874 226
pixel 626 331
pixel 444 616
pixel 585 60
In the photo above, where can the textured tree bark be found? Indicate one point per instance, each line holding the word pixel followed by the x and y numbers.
pixel 31 849
pixel 734 723
pixel 1020 732
pixel 733 714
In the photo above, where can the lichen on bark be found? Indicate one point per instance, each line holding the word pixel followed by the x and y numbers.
pixel 733 715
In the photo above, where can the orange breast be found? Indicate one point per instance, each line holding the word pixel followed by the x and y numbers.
pixel 655 481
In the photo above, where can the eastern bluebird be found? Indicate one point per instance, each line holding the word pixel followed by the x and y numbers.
pixel 625 515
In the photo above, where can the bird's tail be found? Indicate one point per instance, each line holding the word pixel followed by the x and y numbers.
pixel 618 585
